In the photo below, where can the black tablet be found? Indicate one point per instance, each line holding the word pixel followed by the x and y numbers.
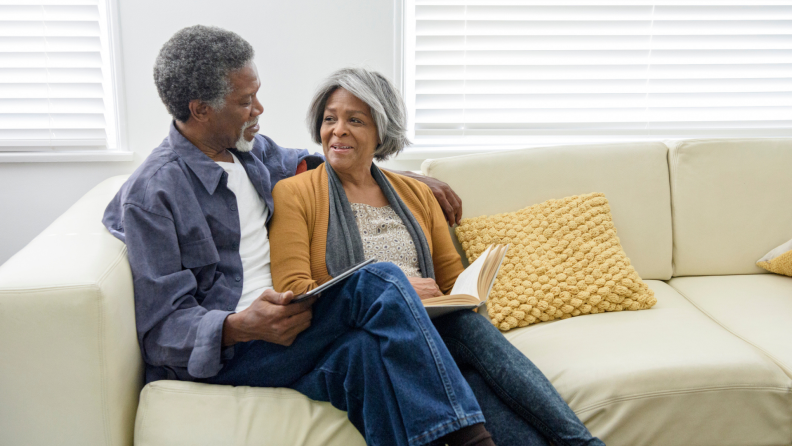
pixel 334 281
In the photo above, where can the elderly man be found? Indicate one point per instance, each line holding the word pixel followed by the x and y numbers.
pixel 194 217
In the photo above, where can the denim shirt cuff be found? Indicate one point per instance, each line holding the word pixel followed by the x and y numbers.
pixel 207 356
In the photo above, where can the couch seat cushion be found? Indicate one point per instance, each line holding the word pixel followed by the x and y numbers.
pixel 665 376
pixel 755 307
pixel 177 413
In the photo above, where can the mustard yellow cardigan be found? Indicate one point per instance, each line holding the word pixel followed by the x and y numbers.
pixel 298 230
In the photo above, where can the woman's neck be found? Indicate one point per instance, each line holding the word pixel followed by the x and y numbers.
pixel 361 187
pixel 358 178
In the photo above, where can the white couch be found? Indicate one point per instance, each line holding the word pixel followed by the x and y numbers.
pixel 710 364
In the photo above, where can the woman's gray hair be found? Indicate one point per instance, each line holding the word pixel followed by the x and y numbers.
pixel 195 64
pixel 385 102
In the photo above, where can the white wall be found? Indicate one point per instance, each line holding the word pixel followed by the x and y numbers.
pixel 297 43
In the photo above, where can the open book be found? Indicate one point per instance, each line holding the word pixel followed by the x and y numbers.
pixel 472 286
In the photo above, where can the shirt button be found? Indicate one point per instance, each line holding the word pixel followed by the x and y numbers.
pixel 233 207
pixel 237 278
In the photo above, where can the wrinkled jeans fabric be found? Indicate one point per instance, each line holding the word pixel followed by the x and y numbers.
pixel 371 351
pixel 521 405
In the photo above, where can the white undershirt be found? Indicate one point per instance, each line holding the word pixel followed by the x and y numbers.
pixel 254 248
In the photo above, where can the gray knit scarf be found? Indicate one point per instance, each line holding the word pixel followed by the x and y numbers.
pixel 344 245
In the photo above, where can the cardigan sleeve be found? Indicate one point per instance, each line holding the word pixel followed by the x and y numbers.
pixel 290 240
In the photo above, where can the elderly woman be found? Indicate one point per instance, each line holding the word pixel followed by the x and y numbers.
pixel 349 210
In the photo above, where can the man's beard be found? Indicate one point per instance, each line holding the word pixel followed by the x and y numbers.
pixel 242 144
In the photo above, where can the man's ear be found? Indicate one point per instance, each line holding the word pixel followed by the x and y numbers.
pixel 200 110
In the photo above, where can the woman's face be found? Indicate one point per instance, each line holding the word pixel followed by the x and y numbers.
pixel 349 135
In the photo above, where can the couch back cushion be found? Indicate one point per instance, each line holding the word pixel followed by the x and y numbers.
pixel 731 202
pixel 633 177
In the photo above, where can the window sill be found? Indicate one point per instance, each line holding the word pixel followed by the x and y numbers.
pixel 66 157
pixel 428 151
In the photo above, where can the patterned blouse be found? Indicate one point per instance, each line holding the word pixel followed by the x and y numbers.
pixel 385 237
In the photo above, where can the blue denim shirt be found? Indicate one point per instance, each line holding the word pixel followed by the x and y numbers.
pixel 180 223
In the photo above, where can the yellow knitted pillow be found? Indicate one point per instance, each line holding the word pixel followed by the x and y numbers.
pixel 564 260
pixel 779 260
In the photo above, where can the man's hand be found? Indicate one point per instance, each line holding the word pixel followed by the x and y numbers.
pixel 449 201
pixel 270 318
pixel 425 287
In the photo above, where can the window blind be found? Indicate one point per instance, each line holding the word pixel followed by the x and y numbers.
pixel 56 89
pixel 528 72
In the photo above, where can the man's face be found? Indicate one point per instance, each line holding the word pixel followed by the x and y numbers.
pixel 237 122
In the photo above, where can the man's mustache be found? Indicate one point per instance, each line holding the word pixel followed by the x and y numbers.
pixel 251 123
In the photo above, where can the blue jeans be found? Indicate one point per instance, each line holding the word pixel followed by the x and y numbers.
pixel 371 351
pixel 521 406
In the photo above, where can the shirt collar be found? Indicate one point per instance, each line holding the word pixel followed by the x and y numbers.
pixel 207 171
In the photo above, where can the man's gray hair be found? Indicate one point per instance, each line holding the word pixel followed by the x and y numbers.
pixel 195 64
pixel 385 102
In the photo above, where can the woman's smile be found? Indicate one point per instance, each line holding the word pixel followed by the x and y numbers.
pixel 341 148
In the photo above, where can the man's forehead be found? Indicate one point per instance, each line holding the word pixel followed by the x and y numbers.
pixel 245 80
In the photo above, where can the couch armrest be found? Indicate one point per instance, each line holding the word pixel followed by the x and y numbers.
pixel 71 368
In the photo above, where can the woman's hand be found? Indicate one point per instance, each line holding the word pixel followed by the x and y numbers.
pixel 425 288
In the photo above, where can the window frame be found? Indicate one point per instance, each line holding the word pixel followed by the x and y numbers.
pixel 121 152
pixel 421 150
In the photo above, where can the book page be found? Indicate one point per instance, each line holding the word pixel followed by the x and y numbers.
pixel 453 299
pixel 490 268
pixel 495 261
pixel 468 280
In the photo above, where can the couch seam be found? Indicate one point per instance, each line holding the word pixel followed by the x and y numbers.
pixel 102 342
pixel 11 291
pixel 105 273
pixel 672 168
pixel 88 285
pixel 222 393
pixel 103 364
pixel 121 255
pixel 677 392
pixel 143 418
pixel 775 360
